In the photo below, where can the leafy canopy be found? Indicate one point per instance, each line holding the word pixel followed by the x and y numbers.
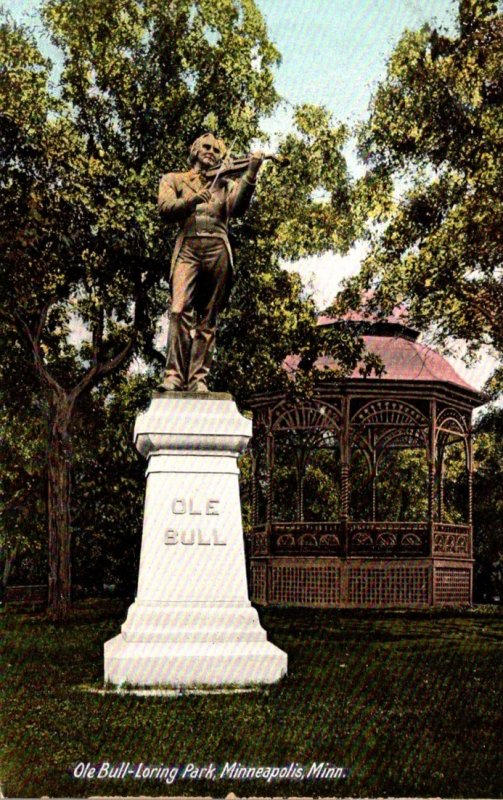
pixel 436 127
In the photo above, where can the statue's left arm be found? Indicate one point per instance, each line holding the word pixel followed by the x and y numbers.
pixel 242 191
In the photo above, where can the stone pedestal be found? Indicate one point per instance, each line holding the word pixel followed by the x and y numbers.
pixel 192 622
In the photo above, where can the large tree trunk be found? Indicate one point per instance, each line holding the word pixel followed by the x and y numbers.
pixel 10 559
pixel 58 509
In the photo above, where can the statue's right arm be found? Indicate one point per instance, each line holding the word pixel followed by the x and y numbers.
pixel 173 207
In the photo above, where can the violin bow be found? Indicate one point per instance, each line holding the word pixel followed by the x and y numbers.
pixel 229 151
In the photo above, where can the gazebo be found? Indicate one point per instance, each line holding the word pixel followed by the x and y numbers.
pixel 348 500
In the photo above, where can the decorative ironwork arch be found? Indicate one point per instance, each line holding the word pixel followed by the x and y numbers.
pixel 308 416
pixel 327 439
pixel 453 427
pixel 310 438
pixel 445 438
pixel 412 438
pixel 388 412
pixel 367 478
pixel 451 421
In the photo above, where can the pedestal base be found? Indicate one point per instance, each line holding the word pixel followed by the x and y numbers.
pixel 192 622
pixel 163 645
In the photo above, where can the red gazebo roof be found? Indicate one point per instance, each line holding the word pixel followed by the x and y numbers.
pixel 396 345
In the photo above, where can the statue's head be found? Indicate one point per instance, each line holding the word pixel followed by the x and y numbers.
pixel 207 150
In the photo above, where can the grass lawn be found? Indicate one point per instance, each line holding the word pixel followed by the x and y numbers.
pixel 409 703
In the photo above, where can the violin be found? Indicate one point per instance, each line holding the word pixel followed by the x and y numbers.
pixel 236 167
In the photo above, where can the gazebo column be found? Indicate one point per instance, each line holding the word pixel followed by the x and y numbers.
pixel 441 482
pixel 375 468
pixel 270 469
pixel 432 474
pixel 300 498
pixel 301 470
pixel 344 490
pixel 254 498
pixel 469 468
pixel 345 450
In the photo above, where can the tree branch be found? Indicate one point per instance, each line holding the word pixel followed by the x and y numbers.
pixel 104 369
pixel 99 370
pixel 42 319
pixel 98 338
pixel 34 340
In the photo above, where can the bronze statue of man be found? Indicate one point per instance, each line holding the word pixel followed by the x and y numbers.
pixel 201 266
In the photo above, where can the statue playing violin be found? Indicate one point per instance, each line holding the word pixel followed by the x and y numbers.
pixel 201 201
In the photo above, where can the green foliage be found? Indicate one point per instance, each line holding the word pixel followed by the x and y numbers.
pixel 455 484
pixel 375 693
pixel 107 478
pixel 108 488
pixel 23 538
pixel 144 75
pixel 488 505
pixel 436 126
pixel 23 430
pixel 401 486
pixel 298 454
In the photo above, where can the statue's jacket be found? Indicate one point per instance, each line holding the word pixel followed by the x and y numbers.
pixel 229 199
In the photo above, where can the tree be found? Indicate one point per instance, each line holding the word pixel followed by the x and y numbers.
pixel 84 259
pixel 81 246
pixel 435 125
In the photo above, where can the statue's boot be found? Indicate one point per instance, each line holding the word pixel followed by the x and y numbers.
pixel 201 356
pixel 178 352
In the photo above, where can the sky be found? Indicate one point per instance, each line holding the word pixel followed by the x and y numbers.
pixel 334 53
